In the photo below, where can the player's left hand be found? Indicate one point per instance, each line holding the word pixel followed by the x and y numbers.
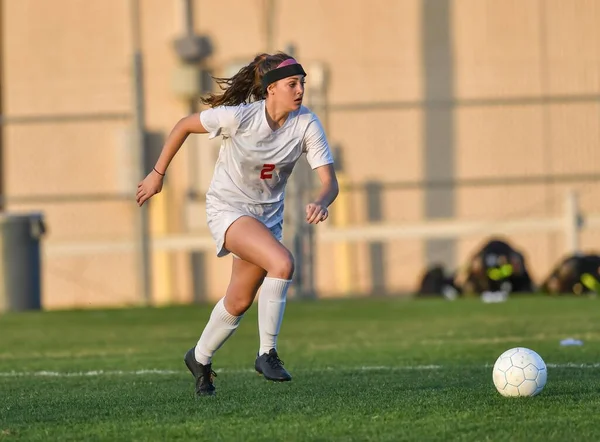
pixel 316 213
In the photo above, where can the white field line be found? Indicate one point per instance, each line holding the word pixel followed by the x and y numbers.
pixel 67 374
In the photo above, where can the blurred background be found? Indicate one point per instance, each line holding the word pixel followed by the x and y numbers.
pixel 451 121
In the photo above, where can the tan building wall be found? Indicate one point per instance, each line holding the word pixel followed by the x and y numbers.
pixel 493 89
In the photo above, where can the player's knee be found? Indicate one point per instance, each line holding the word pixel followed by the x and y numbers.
pixel 282 266
pixel 236 305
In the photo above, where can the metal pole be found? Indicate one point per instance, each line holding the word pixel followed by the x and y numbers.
pixel 197 258
pixel 270 25
pixel 318 104
pixel 143 215
pixel 188 17
pixel 572 222
pixel 187 10
pixel 295 229
pixel 1 108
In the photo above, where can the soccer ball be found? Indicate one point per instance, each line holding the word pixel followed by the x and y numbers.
pixel 519 372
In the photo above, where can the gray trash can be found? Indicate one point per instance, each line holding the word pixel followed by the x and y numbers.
pixel 20 261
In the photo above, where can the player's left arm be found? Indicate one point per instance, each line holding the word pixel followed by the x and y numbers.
pixel 320 159
pixel 317 211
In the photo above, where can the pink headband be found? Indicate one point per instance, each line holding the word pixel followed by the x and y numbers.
pixel 287 62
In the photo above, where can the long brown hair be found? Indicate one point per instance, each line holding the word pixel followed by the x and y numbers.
pixel 246 85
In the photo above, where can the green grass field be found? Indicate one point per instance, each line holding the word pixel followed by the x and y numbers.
pixel 377 369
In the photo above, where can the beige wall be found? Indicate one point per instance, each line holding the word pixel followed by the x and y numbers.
pixel 525 84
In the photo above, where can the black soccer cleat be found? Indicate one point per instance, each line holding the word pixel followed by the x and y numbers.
pixel 271 367
pixel 202 373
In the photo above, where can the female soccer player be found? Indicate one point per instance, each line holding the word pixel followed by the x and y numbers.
pixel 264 129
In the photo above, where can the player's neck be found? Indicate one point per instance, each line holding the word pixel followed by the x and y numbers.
pixel 275 117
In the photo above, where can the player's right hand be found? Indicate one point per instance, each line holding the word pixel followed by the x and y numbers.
pixel 148 187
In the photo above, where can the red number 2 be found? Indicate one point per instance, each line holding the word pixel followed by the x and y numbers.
pixel 265 173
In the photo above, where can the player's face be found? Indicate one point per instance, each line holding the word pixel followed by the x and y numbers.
pixel 289 92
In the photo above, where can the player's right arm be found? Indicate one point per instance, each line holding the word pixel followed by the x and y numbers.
pixel 152 184
pixel 184 127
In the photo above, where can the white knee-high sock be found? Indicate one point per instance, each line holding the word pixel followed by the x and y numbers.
pixel 219 328
pixel 271 306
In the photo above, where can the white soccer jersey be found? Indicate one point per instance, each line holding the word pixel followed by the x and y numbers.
pixel 255 161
